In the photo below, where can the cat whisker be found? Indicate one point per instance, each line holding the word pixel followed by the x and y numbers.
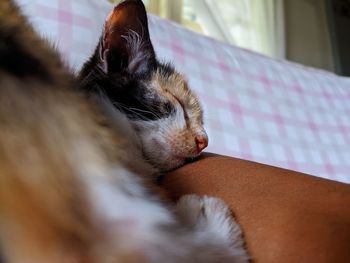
pixel 121 106
pixel 146 111
pixel 136 111
pixel 155 114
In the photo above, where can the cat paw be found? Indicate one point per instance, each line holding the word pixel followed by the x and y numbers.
pixel 211 216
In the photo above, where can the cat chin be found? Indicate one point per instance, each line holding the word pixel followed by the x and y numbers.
pixel 171 166
pixel 171 162
pixel 176 162
pixel 164 163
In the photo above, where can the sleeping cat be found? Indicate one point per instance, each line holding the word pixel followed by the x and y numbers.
pixel 155 99
pixel 68 192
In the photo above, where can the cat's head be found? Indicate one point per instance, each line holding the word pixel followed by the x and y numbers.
pixel 156 99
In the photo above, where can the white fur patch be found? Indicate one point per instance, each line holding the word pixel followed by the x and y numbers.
pixel 210 218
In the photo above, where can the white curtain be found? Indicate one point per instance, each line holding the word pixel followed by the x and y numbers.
pixel 254 24
pixel 268 24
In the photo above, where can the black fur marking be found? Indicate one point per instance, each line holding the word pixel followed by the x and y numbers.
pixel 129 93
pixel 19 62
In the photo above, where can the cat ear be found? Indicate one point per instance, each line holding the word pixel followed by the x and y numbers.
pixel 126 44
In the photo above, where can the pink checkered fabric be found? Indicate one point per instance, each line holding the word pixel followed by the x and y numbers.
pixel 74 26
pixel 256 108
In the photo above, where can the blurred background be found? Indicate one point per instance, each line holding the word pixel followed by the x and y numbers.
pixel 311 32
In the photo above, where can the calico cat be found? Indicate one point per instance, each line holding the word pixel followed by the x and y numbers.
pixel 155 99
pixel 67 191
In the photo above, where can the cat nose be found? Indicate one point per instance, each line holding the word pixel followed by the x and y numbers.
pixel 201 142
